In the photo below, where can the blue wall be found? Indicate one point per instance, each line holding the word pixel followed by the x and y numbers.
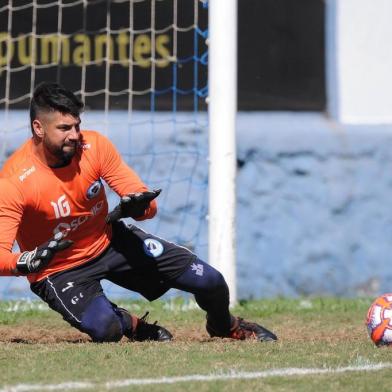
pixel 314 211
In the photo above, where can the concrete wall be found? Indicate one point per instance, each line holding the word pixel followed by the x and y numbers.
pixel 314 214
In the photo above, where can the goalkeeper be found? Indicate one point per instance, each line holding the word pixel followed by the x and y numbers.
pixel 53 203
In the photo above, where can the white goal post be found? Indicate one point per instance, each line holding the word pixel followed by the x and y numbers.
pixel 222 81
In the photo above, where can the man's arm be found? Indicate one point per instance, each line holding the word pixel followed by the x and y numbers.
pixel 33 261
pixel 11 211
pixel 122 179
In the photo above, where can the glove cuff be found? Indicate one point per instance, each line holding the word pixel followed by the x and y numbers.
pixel 23 262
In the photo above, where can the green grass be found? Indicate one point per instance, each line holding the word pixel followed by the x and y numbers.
pixel 37 346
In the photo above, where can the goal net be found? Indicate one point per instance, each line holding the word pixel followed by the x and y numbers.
pixel 140 66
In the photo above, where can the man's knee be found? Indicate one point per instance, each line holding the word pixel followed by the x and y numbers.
pixel 211 282
pixel 213 295
pixel 101 322
pixel 215 282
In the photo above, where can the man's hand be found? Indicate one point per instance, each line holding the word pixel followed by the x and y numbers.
pixel 35 260
pixel 132 205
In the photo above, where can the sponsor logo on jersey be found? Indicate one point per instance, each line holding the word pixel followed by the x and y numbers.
pixel 77 222
pixel 94 189
pixel 152 247
pixel 26 173
pixel 85 146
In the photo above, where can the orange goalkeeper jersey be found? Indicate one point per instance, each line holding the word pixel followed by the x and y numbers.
pixel 37 201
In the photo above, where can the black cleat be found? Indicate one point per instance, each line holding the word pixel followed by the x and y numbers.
pixel 145 331
pixel 242 329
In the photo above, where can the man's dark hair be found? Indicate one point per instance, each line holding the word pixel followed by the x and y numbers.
pixel 52 97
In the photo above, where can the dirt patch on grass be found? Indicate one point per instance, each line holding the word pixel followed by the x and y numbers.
pixel 25 334
pixel 330 331
pixel 64 334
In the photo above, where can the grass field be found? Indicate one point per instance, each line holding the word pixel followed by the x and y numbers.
pixel 323 345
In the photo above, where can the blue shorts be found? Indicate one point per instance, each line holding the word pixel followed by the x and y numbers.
pixel 135 260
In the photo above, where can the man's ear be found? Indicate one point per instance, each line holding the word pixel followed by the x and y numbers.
pixel 38 129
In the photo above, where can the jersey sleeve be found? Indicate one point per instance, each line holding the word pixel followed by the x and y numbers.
pixel 119 176
pixel 11 212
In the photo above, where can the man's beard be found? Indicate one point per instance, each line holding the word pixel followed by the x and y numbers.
pixel 64 154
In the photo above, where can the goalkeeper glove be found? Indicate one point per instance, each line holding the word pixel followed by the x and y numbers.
pixel 133 205
pixel 35 260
